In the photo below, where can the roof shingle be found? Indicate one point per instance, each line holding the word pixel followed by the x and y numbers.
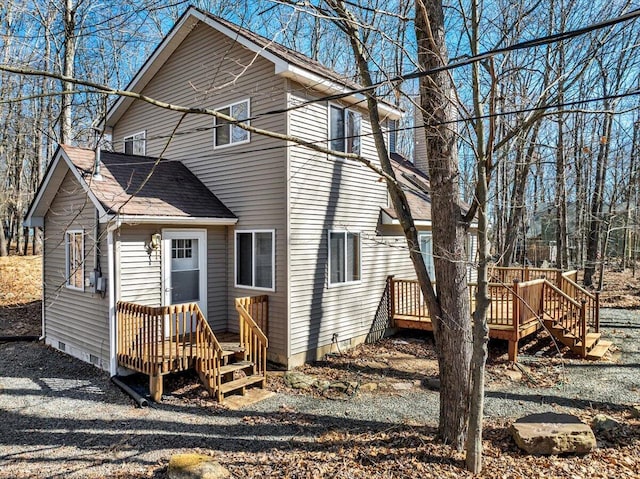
pixel 142 185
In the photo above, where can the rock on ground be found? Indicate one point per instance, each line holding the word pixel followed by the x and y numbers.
pixel 553 433
pixel 195 466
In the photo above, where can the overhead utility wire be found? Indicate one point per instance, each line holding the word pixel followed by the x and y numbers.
pixel 464 61
pixel 406 128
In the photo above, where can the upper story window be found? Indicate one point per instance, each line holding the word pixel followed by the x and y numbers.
pixel 392 129
pixel 344 257
pixel 135 144
pixel 344 130
pixel 255 259
pixel 74 259
pixel 226 133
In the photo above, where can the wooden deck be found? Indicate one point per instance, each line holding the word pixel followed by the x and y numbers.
pixel 523 300
pixel 161 340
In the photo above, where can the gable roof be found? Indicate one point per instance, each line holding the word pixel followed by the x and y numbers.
pixel 415 184
pixel 132 188
pixel 287 62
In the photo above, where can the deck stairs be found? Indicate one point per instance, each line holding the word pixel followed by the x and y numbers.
pixel 594 346
pixel 234 374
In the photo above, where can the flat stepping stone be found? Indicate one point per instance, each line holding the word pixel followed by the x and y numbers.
pixel 195 466
pixel 552 434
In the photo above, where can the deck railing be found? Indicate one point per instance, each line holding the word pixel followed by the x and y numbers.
pixel 506 274
pixel 592 300
pixel 572 317
pixel 511 305
pixel 152 337
pixel 252 339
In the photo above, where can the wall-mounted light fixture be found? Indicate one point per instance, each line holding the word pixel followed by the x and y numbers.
pixel 154 244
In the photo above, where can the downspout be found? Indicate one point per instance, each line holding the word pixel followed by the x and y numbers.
pixel 113 336
pixel 44 287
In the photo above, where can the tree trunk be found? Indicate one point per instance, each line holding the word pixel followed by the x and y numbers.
pixel 480 327
pixel 69 52
pixel 452 329
pixel 597 200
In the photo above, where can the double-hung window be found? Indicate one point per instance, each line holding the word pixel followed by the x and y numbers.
pixel 135 144
pixel 74 253
pixel 392 131
pixel 227 133
pixel 344 130
pixel 255 259
pixel 344 257
pixel 426 247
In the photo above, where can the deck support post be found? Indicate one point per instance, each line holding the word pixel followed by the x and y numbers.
pixel 155 386
pixel 392 304
pixel 513 350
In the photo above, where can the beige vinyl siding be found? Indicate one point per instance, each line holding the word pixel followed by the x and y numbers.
pixel 419 143
pixel 80 319
pixel 140 278
pixel 139 273
pixel 210 70
pixel 335 195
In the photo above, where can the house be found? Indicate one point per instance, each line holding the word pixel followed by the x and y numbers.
pixel 193 209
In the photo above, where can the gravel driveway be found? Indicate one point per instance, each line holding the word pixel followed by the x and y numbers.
pixel 63 418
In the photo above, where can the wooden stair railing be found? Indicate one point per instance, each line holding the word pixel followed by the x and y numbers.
pixel 208 357
pixel 157 340
pixel 252 339
pixel 568 322
pixel 572 289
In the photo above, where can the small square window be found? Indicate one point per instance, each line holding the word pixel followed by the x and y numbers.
pixel 135 144
pixel 227 133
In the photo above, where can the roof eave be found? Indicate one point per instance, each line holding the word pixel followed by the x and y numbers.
pixel 175 220
pixel 327 86
pixel 387 219
pixel 183 27
pixel 49 187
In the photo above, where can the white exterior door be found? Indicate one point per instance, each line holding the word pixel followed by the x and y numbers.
pixel 184 267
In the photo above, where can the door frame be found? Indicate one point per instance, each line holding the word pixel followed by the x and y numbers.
pixel 169 234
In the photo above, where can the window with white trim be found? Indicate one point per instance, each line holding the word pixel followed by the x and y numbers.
pixel 344 130
pixel 344 257
pixel 135 144
pixel 255 259
pixel 426 247
pixel 392 131
pixel 74 254
pixel 226 133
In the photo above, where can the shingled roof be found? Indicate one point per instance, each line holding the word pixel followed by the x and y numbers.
pixel 131 188
pixel 415 184
pixel 287 62
pixel 142 185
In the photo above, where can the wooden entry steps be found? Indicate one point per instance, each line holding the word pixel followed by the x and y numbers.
pixel 157 341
